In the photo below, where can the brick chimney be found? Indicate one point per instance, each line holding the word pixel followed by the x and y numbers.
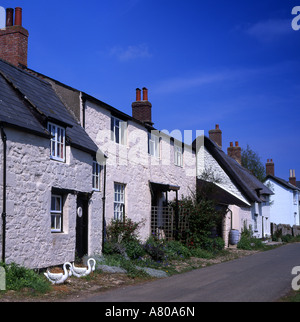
pixel 216 135
pixel 14 39
pixel 142 109
pixel 292 178
pixel 235 152
pixel 270 168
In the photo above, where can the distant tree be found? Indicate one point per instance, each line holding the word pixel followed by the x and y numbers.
pixel 251 161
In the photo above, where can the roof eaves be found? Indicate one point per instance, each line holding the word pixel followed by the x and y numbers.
pixel 282 182
pixel 249 194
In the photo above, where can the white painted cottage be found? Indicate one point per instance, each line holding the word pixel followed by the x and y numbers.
pixel 285 200
pixel 50 201
pixel 70 163
pixel 245 199
pixel 144 167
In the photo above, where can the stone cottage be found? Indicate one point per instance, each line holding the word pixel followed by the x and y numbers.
pixel 72 163
pixel 285 200
pixel 245 199
pixel 144 167
pixel 50 197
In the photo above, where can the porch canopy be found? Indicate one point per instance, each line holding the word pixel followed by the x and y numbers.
pixel 162 187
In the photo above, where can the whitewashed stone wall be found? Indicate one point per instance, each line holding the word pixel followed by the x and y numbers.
pixel 31 174
pixel 130 164
pixel 284 208
pixel 211 166
pixel 240 215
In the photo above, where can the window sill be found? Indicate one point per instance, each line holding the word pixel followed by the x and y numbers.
pixel 179 166
pixel 57 159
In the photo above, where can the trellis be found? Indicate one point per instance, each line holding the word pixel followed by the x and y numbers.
pixel 163 223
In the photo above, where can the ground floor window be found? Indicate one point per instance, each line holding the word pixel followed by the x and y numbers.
pixel 56 213
pixel 119 201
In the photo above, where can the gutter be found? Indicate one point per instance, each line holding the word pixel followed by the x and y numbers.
pixel 4 140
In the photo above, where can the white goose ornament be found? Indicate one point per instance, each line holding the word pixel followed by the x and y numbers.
pixel 83 271
pixel 59 278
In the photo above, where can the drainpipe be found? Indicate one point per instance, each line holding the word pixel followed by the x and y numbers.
pixel 4 139
pixel 103 208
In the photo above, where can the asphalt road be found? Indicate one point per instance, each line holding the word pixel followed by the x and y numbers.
pixel 262 277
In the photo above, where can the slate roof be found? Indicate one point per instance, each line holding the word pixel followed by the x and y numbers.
pixel 283 182
pixel 253 189
pixel 29 102
pixel 11 106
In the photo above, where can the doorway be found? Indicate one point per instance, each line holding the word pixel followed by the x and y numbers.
pixel 82 225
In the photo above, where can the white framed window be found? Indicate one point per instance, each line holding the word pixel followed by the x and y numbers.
pixel 119 201
pixel 295 197
pixel 58 142
pixel 56 213
pixel 118 131
pixel 255 222
pixel 153 145
pixel 96 176
pixel 178 155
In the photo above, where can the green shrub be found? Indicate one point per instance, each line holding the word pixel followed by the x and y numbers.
pixel 257 243
pixel 244 243
pixel 175 249
pixel 18 277
pixel 155 248
pixel 122 230
pixel 252 243
pixel 287 238
pixel 212 245
pixel 134 249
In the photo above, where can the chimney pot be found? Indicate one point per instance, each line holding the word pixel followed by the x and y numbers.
pixel 138 95
pixel 142 109
pixel 18 16
pixel 14 39
pixel 292 178
pixel 145 94
pixel 9 17
pixel 235 152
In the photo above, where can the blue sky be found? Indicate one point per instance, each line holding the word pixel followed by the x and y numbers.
pixel 233 63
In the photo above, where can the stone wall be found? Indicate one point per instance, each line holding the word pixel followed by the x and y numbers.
pixel 284 230
pixel 31 175
pixel 131 165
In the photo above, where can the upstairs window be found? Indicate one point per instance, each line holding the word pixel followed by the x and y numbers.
pixel 153 145
pixel 295 197
pixel 178 155
pixel 58 142
pixel 96 176
pixel 118 131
